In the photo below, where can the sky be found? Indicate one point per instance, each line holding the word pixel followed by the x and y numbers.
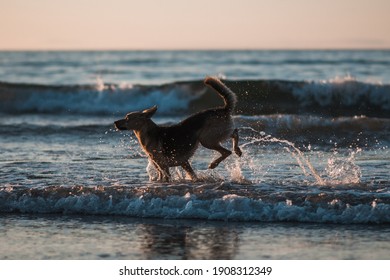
pixel 194 24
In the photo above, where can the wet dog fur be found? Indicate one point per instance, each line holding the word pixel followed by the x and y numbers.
pixel 168 146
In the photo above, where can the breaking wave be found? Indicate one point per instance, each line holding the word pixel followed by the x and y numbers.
pixel 211 201
pixel 337 97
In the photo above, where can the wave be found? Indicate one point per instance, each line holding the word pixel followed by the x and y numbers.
pixel 90 99
pixel 217 201
pixel 337 97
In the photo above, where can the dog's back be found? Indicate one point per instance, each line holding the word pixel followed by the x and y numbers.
pixel 209 127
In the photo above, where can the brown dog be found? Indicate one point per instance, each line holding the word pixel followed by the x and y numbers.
pixel 168 146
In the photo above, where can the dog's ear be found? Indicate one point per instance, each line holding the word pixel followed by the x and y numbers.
pixel 150 112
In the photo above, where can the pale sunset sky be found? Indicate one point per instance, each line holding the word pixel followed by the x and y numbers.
pixel 194 24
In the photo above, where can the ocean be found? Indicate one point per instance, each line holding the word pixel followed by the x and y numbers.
pixel 313 181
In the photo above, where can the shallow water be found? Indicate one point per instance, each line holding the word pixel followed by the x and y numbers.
pixel 96 170
pixel 313 181
pixel 113 237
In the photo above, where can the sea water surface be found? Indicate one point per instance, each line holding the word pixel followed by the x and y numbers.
pixel 313 181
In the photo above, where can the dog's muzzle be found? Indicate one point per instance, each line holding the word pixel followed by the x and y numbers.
pixel 120 124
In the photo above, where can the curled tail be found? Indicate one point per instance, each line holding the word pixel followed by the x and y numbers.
pixel 229 97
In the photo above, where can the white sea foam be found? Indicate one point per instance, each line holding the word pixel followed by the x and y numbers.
pixel 230 207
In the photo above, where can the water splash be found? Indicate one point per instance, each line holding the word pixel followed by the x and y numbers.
pixel 178 175
pixel 236 172
pixel 303 161
pixel 343 171
pixel 338 170
pixel 152 171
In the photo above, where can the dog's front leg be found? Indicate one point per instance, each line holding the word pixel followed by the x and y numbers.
pixel 163 174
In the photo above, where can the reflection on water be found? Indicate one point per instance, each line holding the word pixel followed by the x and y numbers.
pixel 107 237
pixel 189 242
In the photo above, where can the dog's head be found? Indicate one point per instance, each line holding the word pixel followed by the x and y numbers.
pixel 135 120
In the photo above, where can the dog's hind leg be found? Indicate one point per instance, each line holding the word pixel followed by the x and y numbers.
pixel 187 168
pixel 236 149
pixel 224 154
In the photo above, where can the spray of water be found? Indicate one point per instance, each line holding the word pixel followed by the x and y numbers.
pixel 344 171
pixel 338 171
pixel 303 162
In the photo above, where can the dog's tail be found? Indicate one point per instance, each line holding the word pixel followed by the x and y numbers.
pixel 229 97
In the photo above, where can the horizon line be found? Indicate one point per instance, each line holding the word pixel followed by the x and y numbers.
pixel 189 50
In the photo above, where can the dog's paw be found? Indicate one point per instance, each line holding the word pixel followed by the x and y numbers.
pixel 213 165
pixel 238 151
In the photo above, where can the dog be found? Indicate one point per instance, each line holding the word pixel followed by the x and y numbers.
pixel 168 146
